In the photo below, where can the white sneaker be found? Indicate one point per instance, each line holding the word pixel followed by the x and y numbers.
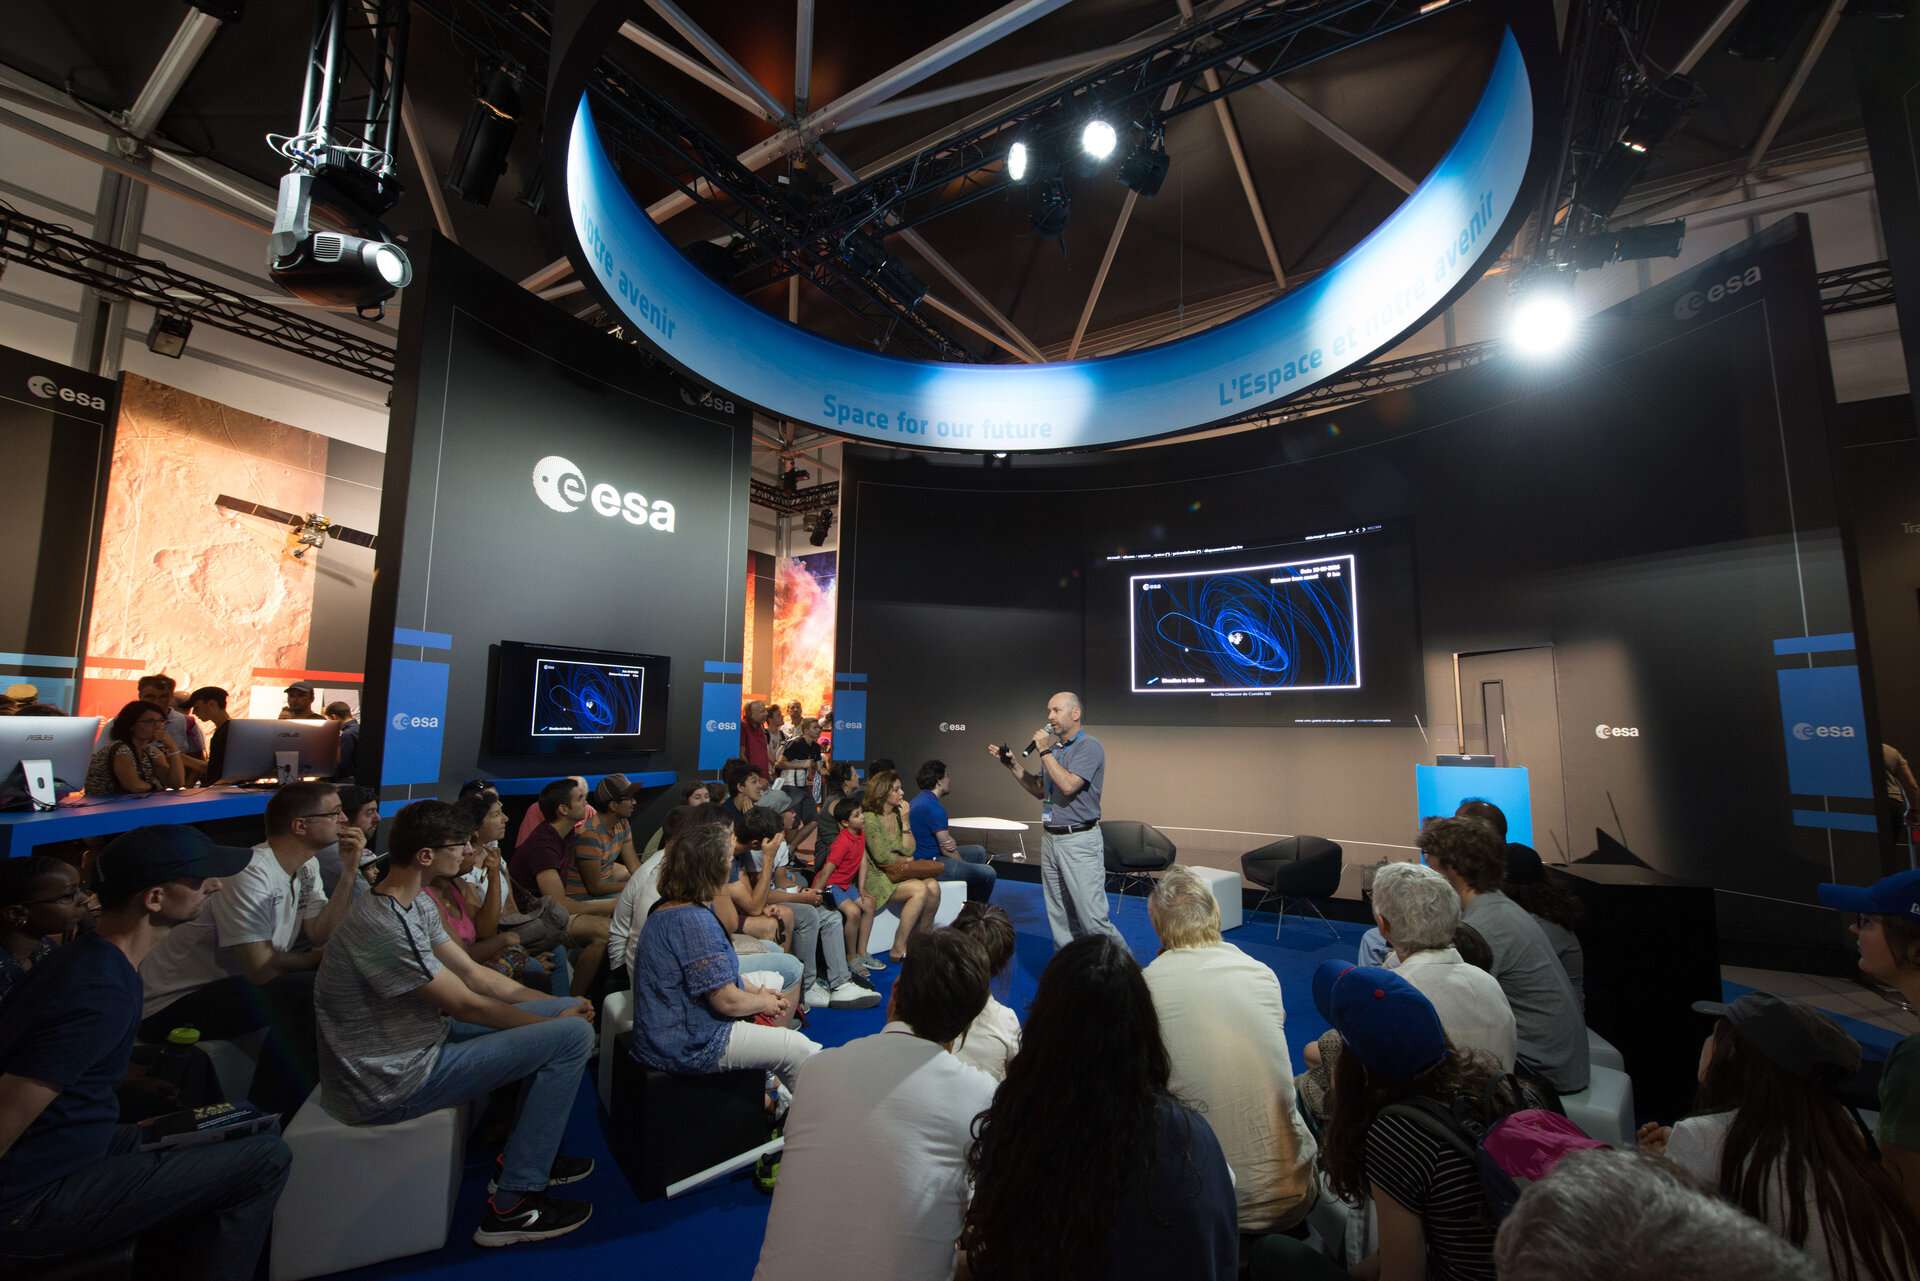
pixel 817 996
pixel 850 996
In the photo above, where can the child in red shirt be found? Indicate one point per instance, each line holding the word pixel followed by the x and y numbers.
pixel 838 876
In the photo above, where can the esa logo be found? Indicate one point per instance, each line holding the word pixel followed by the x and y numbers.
pixel 851 725
pixel 562 486
pixel 1806 733
pixel 1695 301
pixel 47 389
pixel 403 721
pixel 950 728
pixel 1616 731
pixel 714 727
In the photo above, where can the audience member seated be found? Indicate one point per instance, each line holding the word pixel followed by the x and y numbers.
pixel 637 899
pixel 1224 1026
pixel 533 818
pixel 1125 1182
pixel 299 703
pixel 136 756
pixel 693 1012
pixel 361 805
pixel 994 1038
pixel 841 780
pixel 409 1024
pixel 70 1177
pixel 1419 913
pixel 42 905
pixel 837 873
pixel 540 931
pixel 603 853
pixel 1603 1215
pixel 1888 935
pixel 209 703
pixel 248 962
pixel 471 917
pixel 894 1111
pixel 1769 1133
pixel 758 957
pixel 1551 1026
pixel 540 862
pixel 933 837
pixel 890 844
pixel 180 727
pixel 1548 901
pixel 692 794
pixel 814 932
pixel 1426 1193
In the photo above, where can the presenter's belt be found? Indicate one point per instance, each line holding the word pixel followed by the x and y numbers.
pixel 1069 828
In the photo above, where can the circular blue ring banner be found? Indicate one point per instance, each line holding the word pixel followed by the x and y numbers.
pixel 1431 248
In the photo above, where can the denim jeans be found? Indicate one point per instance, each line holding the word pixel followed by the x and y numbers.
pixel 772 969
pixel 972 868
pixel 200 1212
pixel 547 1058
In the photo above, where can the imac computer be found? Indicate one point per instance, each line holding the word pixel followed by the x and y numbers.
pixel 254 747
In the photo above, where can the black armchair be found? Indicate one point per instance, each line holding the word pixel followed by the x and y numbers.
pixel 1296 870
pixel 1134 851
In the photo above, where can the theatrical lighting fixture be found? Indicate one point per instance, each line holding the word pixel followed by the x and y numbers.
pixel 1144 168
pixel 1654 240
pixel 790 478
pixel 820 526
pixel 480 156
pixel 1017 160
pixel 1664 110
pixel 900 284
pixel 1048 207
pixel 168 336
pixel 329 267
pixel 1098 139
pixel 1542 321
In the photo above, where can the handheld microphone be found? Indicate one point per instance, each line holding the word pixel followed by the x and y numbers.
pixel 1029 749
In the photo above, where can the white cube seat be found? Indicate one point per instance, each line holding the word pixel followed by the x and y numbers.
pixel 1600 1053
pixel 1604 1110
pixel 616 1016
pixel 360 1194
pixel 886 922
pixel 1226 892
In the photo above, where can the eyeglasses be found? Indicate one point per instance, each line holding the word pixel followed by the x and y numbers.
pixel 455 845
pixel 73 895
pixel 333 813
pixel 151 720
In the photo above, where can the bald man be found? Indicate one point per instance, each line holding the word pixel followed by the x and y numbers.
pixel 1073 865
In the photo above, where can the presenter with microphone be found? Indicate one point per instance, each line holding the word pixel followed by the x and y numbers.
pixel 1073 866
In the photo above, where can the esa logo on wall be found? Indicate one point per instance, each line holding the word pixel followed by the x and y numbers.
pixel 714 727
pixel 1806 733
pixel 402 721
pixel 563 487
pixel 1695 301
pixel 1616 731
pixel 47 389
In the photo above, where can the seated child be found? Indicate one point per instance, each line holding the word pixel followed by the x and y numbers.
pixel 838 877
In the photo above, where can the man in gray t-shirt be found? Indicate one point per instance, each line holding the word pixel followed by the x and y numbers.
pixel 410 1024
pixel 1546 1010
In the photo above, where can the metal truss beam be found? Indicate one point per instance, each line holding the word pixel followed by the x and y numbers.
pixel 795 502
pixel 1860 288
pixel 116 273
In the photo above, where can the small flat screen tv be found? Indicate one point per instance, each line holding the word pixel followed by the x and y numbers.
pixel 558 700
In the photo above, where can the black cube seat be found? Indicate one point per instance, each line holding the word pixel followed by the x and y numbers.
pixel 666 1126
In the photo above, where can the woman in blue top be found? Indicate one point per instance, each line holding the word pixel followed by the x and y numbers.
pixel 691 1012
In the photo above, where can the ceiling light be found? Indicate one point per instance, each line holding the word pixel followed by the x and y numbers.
pixel 1098 139
pixel 1144 168
pixel 1017 160
pixel 168 336
pixel 480 156
pixel 331 268
pixel 1048 207
pixel 820 525
pixel 1542 322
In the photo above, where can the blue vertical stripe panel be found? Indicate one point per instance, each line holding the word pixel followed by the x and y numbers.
pixel 1824 722
pixel 1832 642
pixel 416 711
pixel 719 724
pixel 850 725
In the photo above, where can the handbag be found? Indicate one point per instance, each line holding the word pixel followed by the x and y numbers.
pixel 542 928
pixel 912 869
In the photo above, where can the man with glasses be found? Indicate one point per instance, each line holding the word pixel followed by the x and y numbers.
pixel 249 961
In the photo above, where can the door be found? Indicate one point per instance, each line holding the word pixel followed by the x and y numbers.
pixel 1511 712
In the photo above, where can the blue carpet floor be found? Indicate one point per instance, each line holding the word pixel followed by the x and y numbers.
pixel 715 1233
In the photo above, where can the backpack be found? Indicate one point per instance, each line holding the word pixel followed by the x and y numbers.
pixel 1519 1148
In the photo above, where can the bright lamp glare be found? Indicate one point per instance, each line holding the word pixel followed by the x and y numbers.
pixel 391 264
pixel 1098 139
pixel 1017 161
pixel 1542 326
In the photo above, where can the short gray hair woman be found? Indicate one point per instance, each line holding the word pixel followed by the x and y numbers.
pixel 1418 911
pixel 1183 910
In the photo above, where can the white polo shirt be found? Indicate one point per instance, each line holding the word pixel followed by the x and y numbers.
pixel 889 1111
pixel 260 905
pixel 1473 1011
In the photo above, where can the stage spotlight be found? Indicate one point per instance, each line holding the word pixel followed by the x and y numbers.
pixel 1048 207
pixel 1017 160
pixel 168 336
pixel 1098 139
pixel 821 525
pixel 328 267
pixel 1144 168
pixel 480 156
pixel 1542 322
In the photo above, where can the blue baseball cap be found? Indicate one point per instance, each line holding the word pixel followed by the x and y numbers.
pixel 1896 895
pixel 1385 1020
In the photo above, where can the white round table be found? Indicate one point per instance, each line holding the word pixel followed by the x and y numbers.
pixel 995 825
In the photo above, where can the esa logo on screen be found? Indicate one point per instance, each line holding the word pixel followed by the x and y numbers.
pixel 563 487
pixel 1616 731
pixel 1806 733
pixel 47 389
pixel 403 721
